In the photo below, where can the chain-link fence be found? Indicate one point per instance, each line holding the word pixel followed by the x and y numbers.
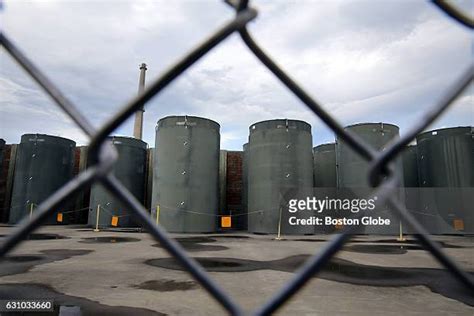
pixel 103 156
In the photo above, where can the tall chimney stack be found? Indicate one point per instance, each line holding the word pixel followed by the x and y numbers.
pixel 138 126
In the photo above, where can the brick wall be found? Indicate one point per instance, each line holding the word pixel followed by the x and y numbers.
pixel 82 199
pixel 234 186
pixel 234 180
pixel 4 199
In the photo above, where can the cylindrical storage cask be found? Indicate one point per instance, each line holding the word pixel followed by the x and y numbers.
pixel 325 166
pixel 149 177
pixel 411 184
pixel 43 164
pixel 410 167
pixel 446 176
pixel 325 181
pixel 129 169
pixel 245 162
pixel 410 180
pixel 353 170
pixel 186 174
pixel 280 168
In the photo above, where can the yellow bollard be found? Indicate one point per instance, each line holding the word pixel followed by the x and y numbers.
pixel 97 219
pixel 279 227
pixel 31 209
pixel 157 214
pixel 401 238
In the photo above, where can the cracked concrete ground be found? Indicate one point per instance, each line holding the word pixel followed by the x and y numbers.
pixel 114 276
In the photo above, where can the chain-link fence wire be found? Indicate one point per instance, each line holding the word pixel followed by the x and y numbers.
pixel 103 156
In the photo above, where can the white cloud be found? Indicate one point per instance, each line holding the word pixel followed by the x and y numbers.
pixel 363 61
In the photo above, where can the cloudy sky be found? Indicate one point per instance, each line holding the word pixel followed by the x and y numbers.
pixel 365 61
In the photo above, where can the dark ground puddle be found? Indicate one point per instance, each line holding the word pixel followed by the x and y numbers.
pixel 194 247
pixel 125 229
pixel 40 236
pixel 66 304
pixel 412 242
pixel 408 244
pixel 21 258
pixel 193 244
pixel 307 239
pixel 112 230
pixel 231 237
pixel 164 285
pixel 340 270
pixel 382 249
pixel 199 239
pixel 17 264
pixel 108 239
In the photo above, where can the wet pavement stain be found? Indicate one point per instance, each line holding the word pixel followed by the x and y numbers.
pixel 307 239
pixel 165 285
pixel 194 247
pixel 195 239
pixel 108 239
pixel 66 302
pixel 17 264
pixel 211 264
pixel 125 229
pixel 194 244
pixel 113 230
pixel 411 244
pixel 230 237
pixel 340 270
pixel 382 249
pixel 21 258
pixel 42 237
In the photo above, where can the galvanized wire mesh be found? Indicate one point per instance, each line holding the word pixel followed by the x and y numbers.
pixel 103 156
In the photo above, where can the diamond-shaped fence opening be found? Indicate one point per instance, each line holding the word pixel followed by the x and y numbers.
pixel 103 157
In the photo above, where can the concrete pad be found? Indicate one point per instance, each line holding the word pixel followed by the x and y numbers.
pixel 115 274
